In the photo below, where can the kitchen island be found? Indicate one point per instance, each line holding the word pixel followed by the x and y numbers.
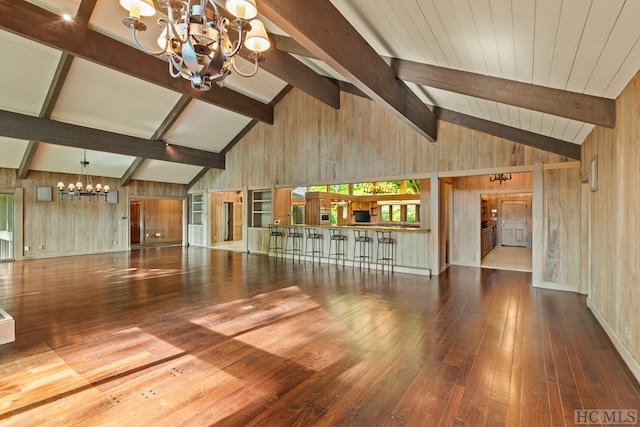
pixel 411 247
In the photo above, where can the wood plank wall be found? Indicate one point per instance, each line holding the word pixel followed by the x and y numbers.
pixel 615 224
pixel 70 227
pixel 310 143
pixel 163 217
pixel 561 239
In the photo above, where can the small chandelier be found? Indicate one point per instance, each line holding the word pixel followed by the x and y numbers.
pixel 78 189
pixel 500 177
pixel 196 46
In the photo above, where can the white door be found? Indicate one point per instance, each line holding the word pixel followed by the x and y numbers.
pixel 514 215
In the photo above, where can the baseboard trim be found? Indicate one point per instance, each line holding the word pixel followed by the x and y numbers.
pixel 556 287
pixel 629 360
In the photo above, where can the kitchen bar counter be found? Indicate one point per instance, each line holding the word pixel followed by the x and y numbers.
pixel 411 249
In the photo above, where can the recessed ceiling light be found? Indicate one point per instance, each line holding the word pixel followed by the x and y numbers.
pixel 67 17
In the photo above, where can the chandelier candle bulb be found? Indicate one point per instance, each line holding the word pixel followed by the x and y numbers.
pixel 257 39
pixel 243 9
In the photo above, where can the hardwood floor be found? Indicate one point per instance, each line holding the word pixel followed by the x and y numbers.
pixel 175 336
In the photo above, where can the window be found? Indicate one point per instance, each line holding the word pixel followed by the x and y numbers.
pixel 197 209
pixel 339 189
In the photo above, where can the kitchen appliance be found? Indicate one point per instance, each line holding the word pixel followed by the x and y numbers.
pixel 325 216
pixel 362 216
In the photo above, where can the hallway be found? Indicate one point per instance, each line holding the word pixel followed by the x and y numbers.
pixel 508 258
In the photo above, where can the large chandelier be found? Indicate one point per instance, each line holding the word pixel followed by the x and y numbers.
pixel 197 44
pixel 500 177
pixel 81 190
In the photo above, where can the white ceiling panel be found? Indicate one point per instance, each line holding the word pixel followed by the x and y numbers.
pixel 11 152
pixel 99 97
pixel 573 18
pixel 263 86
pixel 26 74
pixel 206 127
pixel 59 7
pixel 621 42
pixel 57 158
pixel 601 19
pixel 176 173
pixel 107 19
pixel 583 133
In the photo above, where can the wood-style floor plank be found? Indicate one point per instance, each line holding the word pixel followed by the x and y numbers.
pixel 191 336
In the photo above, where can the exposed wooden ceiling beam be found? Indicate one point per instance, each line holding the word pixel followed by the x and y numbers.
pixel 289 45
pixel 572 105
pixel 294 72
pixel 519 136
pixel 241 134
pixel 20 126
pixel 131 170
pixel 252 123
pixel 171 118
pixel 546 143
pixel 32 22
pixel 27 159
pixel 47 108
pixel 83 15
pixel 158 135
pixel 320 27
pixel 196 178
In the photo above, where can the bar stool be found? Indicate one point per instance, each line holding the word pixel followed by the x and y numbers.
pixel 337 244
pixel 276 238
pixel 313 238
pixel 361 248
pixel 294 239
pixel 384 252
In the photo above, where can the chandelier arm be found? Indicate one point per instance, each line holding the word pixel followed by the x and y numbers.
pixel 252 73
pixel 213 5
pixel 172 25
pixel 178 67
pixel 159 52
pixel 238 44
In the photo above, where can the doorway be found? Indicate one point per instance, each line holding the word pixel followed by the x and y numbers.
pixel 156 222
pixel 506 233
pixel 135 222
pixel 6 227
pixel 226 220
pixel 227 209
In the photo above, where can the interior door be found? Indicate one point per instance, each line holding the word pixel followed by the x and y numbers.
pixel 237 221
pixel 6 227
pixel 135 222
pixel 227 213
pixel 514 216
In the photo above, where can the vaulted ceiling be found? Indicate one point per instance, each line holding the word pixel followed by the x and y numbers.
pixel 540 72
